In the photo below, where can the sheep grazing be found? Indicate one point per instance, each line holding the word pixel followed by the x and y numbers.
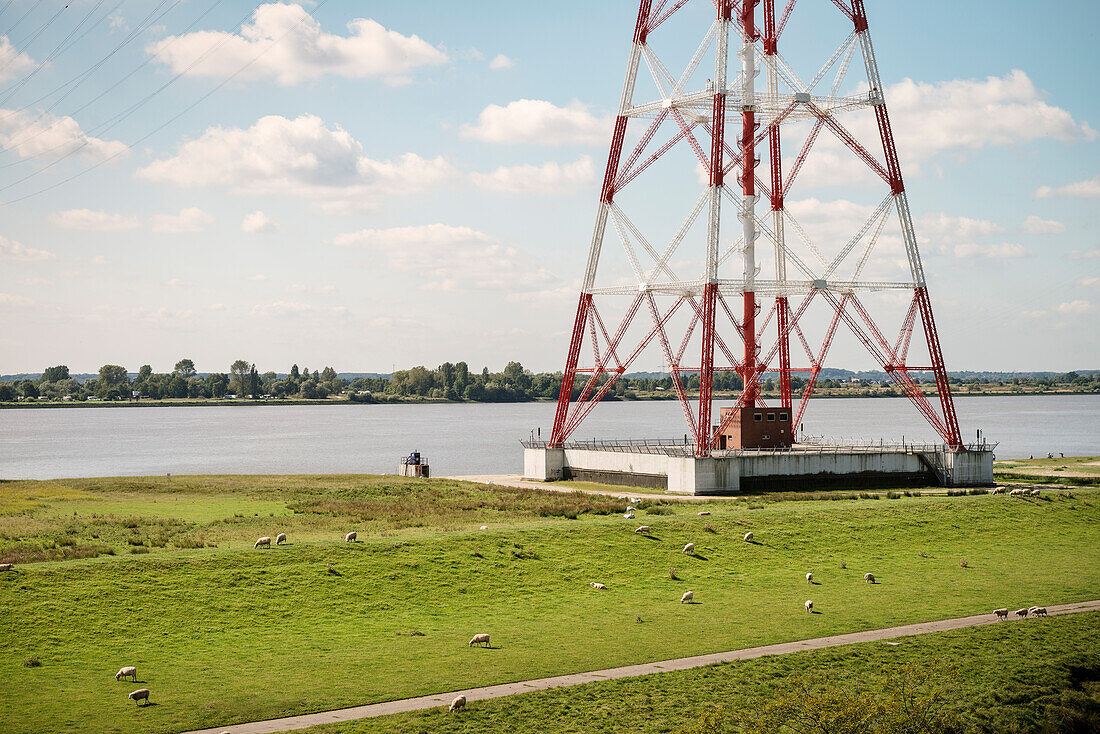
pixel 631 508
pixel 350 537
pixel 280 538
pixel 1021 613
pixel 458 704
pixel 264 541
pixel 688 596
pixel 1017 492
pixel 1038 611
pixel 479 640
pixel 596 585
pixel 999 490
pixel 629 516
pixel 1002 612
pixel 748 537
pixel 644 530
pixel 127 672
pixel 869 578
pixel 484 527
pixel 5 566
pixel 1034 492
pixel 809 606
pixel 809 578
pixel 704 513
pixel 141 694
pixel 689 548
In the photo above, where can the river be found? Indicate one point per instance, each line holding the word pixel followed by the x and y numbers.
pixel 458 438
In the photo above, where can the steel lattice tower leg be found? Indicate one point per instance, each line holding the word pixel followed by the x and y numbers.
pixel 704 302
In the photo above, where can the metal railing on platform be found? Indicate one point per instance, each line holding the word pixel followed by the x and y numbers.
pixel 677 447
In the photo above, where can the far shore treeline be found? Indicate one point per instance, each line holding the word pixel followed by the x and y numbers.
pixel 456 382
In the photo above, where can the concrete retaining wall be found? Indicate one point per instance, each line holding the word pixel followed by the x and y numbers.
pixel 854 469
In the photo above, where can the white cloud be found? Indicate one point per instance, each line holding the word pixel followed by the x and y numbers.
pixel 100 260
pixel 1077 306
pixel 12 63
pixel 35 282
pixel 94 221
pixel 1087 189
pixel 191 219
pixel 282 309
pixel 305 288
pixel 946 228
pixel 1084 254
pixel 930 119
pixel 286 44
pixel 172 282
pixel 500 61
pixel 1035 225
pixel 9 299
pixel 549 178
pixel 12 250
pixel 444 257
pixel 257 278
pixel 299 157
pixel 216 307
pixel 258 223
pixel 50 136
pixel 1090 282
pixel 538 121
pixel 1001 251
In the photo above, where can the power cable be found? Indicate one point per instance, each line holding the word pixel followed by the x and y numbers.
pixel 165 124
pixel 58 50
pixel 33 37
pixel 11 28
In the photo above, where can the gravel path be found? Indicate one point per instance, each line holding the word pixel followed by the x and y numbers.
pixel 510 689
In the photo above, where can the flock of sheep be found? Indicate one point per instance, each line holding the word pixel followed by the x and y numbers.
pixel 482 639
pixel 1002 613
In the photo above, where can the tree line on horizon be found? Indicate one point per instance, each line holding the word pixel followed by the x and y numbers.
pixel 448 381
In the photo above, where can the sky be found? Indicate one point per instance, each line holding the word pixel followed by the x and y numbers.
pixel 376 185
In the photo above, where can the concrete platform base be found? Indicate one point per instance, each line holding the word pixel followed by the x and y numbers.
pixel 803 467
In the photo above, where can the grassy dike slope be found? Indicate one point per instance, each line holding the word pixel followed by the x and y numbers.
pixel 227 634
pixel 1035 676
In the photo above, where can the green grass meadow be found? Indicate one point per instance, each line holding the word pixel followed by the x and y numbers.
pixel 129 571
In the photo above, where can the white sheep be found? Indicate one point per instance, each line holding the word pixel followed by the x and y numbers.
pixel 479 640
pixel 748 537
pixel 1002 612
pixel 141 694
pixel 1034 492
pixel 266 541
pixel 629 516
pixel 484 527
pixel 644 530
pixel 1038 611
pixel 704 513
pixel 1017 492
pixel 596 585
pixel 809 578
pixel 689 548
pixel 631 508
pixel 688 596
pixel 127 672
pixel 999 490
pixel 869 578
pixel 809 606
pixel 280 538
pixel 1021 612
pixel 350 537
pixel 5 566
pixel 458 704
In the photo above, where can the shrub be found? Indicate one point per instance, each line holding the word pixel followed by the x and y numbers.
pixel 964 563
pixel 658 510
pixel 32 663
pixel 139 549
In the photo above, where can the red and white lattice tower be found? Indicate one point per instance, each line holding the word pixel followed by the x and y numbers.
pixel 723 126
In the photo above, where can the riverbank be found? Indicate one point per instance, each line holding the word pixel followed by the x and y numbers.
pixel 422 400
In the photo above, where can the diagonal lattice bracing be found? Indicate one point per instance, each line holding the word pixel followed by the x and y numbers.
pixel 714 119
